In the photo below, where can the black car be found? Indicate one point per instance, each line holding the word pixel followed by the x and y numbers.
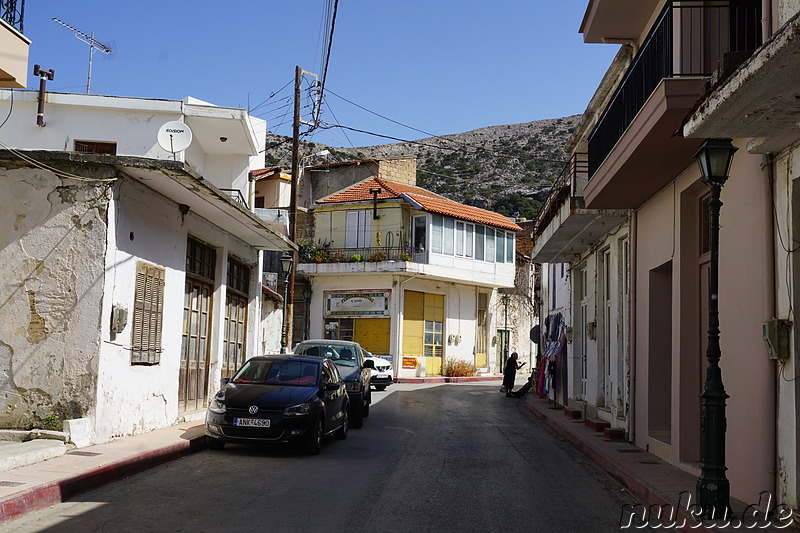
pixel 279 398
pixel 350 359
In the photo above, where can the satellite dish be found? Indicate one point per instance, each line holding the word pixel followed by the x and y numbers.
pixel 174 136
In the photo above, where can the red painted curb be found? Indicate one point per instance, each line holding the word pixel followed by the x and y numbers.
pixel 58 491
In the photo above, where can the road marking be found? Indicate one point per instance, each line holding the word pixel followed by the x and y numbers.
pixel 401 429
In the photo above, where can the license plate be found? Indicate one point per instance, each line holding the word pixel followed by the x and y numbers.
pixel 252 422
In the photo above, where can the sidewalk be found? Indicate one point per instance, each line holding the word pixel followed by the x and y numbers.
pixel 649 480
pixel 45 483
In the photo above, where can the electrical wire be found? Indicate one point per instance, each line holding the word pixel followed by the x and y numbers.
pixel 327 55
pixel 57 172
pixel 270 96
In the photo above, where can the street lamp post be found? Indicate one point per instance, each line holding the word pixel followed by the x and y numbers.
pixel 505 299
pixel 287 260
pixel 713 487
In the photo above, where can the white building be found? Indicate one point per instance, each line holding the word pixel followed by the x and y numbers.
pixel 131 276
pixel 410 275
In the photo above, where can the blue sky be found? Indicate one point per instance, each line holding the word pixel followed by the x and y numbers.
pixel 443 66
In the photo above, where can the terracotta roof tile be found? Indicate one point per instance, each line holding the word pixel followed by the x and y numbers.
pixel 255 174
pixel 426 200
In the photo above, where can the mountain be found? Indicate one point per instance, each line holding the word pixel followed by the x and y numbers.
pixel 507 168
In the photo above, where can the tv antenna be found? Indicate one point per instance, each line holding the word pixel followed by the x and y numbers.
pixel 93 43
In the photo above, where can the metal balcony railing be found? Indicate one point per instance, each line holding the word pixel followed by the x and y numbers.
pixel 688 39
pixel 236 196
pixel 361 255
pixel 13 12
pixel 570 183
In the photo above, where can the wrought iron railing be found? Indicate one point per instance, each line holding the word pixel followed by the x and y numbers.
pixel 13 12
pixel 361 255
pixel 236 196
pixel 570 183
pixel 688 39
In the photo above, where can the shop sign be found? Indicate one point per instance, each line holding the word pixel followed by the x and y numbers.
pixel 357 304
pixel 409 362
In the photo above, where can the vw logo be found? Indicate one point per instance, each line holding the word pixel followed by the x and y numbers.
pixel 253 409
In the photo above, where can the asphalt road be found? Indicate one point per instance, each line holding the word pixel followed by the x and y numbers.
pixel 456 457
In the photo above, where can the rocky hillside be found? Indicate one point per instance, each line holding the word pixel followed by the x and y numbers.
pixel 506 168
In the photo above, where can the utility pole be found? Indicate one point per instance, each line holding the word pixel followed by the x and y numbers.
pixel 289 303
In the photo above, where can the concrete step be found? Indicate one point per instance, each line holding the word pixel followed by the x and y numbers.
pixel 17 454
pixel 597 425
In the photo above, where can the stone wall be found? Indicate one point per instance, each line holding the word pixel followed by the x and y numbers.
pixel 401 170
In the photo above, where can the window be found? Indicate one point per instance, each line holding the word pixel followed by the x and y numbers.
pixel 339 328
pixel 436 234
pixel 148 310
pixel 236 301
pixel 500 241
pixel 433 338
pixel 459 238
pixel 490 248
pixel 469 244
pixel 480 232
pixel 357 229
pixel 509 247
pixel 420 235
pixel 93 147
pixel 447 236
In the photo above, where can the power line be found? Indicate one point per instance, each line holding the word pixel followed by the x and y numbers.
pixel 271 96
pixel 327 56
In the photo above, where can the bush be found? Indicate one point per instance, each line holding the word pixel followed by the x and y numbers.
pixel 377 256
pixel 459 369
pixel 357 258
pixel 52 422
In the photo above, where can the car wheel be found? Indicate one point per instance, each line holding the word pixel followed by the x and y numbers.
pixel 341 433
pixel 365 410
pixel 214 444
pixel 314 444
pixel 380 387
pixel 357 416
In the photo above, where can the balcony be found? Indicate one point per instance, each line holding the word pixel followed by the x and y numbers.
pixel 14 45
pixel 564 226
pixel 321 261
pixel 635 137
pixel 759 100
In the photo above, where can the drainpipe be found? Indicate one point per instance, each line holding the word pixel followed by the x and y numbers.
pixel 769 165
pixel 766 21
pixel 632 329
pixel 44 75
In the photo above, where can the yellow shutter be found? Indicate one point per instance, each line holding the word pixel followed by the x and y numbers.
pixel 413 330
pixel 373 334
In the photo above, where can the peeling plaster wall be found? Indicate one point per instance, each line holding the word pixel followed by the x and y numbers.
pixel 52 244
pixel 149 227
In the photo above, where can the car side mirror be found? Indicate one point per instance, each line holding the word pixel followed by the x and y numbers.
pixel 224 381
pixel 369 363
pixel 331 386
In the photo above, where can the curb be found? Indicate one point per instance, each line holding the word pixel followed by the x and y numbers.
pixel 449 379
pixel 56 492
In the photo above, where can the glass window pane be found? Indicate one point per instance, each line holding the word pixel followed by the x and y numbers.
pixel 420 225
pixel 490 245
pixel 468 240
pixel 459 238
pixel 436 234
pixel 448 238
pixel 509 247
pixel 479 242
pixel 500 242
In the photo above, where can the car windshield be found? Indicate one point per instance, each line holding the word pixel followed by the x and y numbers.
pixel 280 372
pixel 342 355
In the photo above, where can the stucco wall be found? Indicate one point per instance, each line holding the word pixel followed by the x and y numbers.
pixel 745 289
pixel 149 227
pixel 52 244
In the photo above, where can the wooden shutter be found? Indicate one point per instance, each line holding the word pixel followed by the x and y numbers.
pixel 148 311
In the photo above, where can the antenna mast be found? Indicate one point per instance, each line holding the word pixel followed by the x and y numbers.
pixel 93 45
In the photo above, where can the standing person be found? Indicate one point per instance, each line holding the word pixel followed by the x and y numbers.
pixel 510 373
